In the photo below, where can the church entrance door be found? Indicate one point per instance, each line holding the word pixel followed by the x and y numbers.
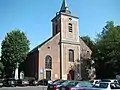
pixel 72 74
pixel 48 74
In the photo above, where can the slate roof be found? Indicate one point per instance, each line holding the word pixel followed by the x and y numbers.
pixel 36 48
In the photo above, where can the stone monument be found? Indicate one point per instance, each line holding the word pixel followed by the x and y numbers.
pixel 16 72
pixel 21 75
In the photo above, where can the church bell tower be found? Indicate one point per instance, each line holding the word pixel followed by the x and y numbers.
pixel 67 25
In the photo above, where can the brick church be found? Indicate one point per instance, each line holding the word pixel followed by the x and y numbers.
pixel 60 55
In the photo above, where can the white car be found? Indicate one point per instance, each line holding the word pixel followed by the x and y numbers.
pixel 50 81
pixel 109 80
pixel 107 86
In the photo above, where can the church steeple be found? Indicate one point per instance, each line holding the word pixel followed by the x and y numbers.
pixel 64 7
pixel 64 22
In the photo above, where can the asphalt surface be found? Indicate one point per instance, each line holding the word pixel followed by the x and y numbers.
pixel 25 88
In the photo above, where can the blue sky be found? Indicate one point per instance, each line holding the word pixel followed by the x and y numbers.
pixel 34 16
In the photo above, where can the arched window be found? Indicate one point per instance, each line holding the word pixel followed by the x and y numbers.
pixel 70 27
pixel 71 55
pixel 48 62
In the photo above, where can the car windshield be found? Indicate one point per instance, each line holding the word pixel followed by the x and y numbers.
pixel 85 84
pixel 103 85
pixel 65 83
pixel 72 83
pixel 59 82
pixel 56 80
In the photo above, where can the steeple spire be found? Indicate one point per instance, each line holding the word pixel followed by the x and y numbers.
pixel 64 7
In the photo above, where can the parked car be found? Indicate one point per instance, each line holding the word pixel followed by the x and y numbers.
pixel 23 82
pixel 44 82
pixel 1 82
pixel 9 82
pixel 107 86
pixel 109 80
pixel 33 82
pixel 77 85
pixel 55 85
pixel 55 80
pixel 69 85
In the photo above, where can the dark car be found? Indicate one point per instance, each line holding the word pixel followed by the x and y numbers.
pixel 69 85
pixel 43 82
pixel 10 82
pixel 82 85
pixel 55 80
pixel 55 85
pixel 23 82
pixel 1 82
pixel 33 82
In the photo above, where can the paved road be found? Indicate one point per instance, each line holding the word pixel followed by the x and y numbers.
pixel 25 88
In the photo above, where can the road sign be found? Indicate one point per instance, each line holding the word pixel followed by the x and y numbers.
pixel 42 71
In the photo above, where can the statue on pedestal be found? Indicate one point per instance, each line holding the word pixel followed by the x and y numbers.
pixel 21 75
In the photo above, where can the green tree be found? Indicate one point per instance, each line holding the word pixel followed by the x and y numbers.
pixel 107 56
pixel 87 60
pixel 1 69
pixel 89 42
pixel 14 50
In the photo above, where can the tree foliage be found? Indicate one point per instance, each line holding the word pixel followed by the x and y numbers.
pixel 14 49
pixel 87 60
pixel 106 51
pixel 1 69
pixel 88 41
pixel 107 55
